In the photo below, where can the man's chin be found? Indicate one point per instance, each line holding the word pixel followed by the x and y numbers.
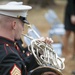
pixel 18 38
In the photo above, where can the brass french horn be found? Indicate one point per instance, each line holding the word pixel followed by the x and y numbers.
pixel 45 56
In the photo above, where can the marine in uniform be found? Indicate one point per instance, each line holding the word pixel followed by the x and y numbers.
pixel 12 61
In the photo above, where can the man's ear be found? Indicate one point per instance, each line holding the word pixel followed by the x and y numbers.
pixel 14 25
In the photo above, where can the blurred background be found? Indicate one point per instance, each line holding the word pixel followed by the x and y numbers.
pixel 39 16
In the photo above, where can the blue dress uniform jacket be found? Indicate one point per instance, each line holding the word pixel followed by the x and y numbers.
pixel 10 61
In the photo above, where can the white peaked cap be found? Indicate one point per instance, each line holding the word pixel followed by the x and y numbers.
pixel 15 3
pixel 14 9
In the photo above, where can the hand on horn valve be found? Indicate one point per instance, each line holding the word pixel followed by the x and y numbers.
pixel 46 40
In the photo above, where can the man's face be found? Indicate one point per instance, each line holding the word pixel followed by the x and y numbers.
pixel 19 29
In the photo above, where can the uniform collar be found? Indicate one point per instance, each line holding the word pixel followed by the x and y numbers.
pixel 4 40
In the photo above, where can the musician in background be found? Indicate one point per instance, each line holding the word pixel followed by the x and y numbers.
pixel 69 22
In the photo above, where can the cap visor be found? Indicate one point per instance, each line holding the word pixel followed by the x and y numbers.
pixel 25 21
